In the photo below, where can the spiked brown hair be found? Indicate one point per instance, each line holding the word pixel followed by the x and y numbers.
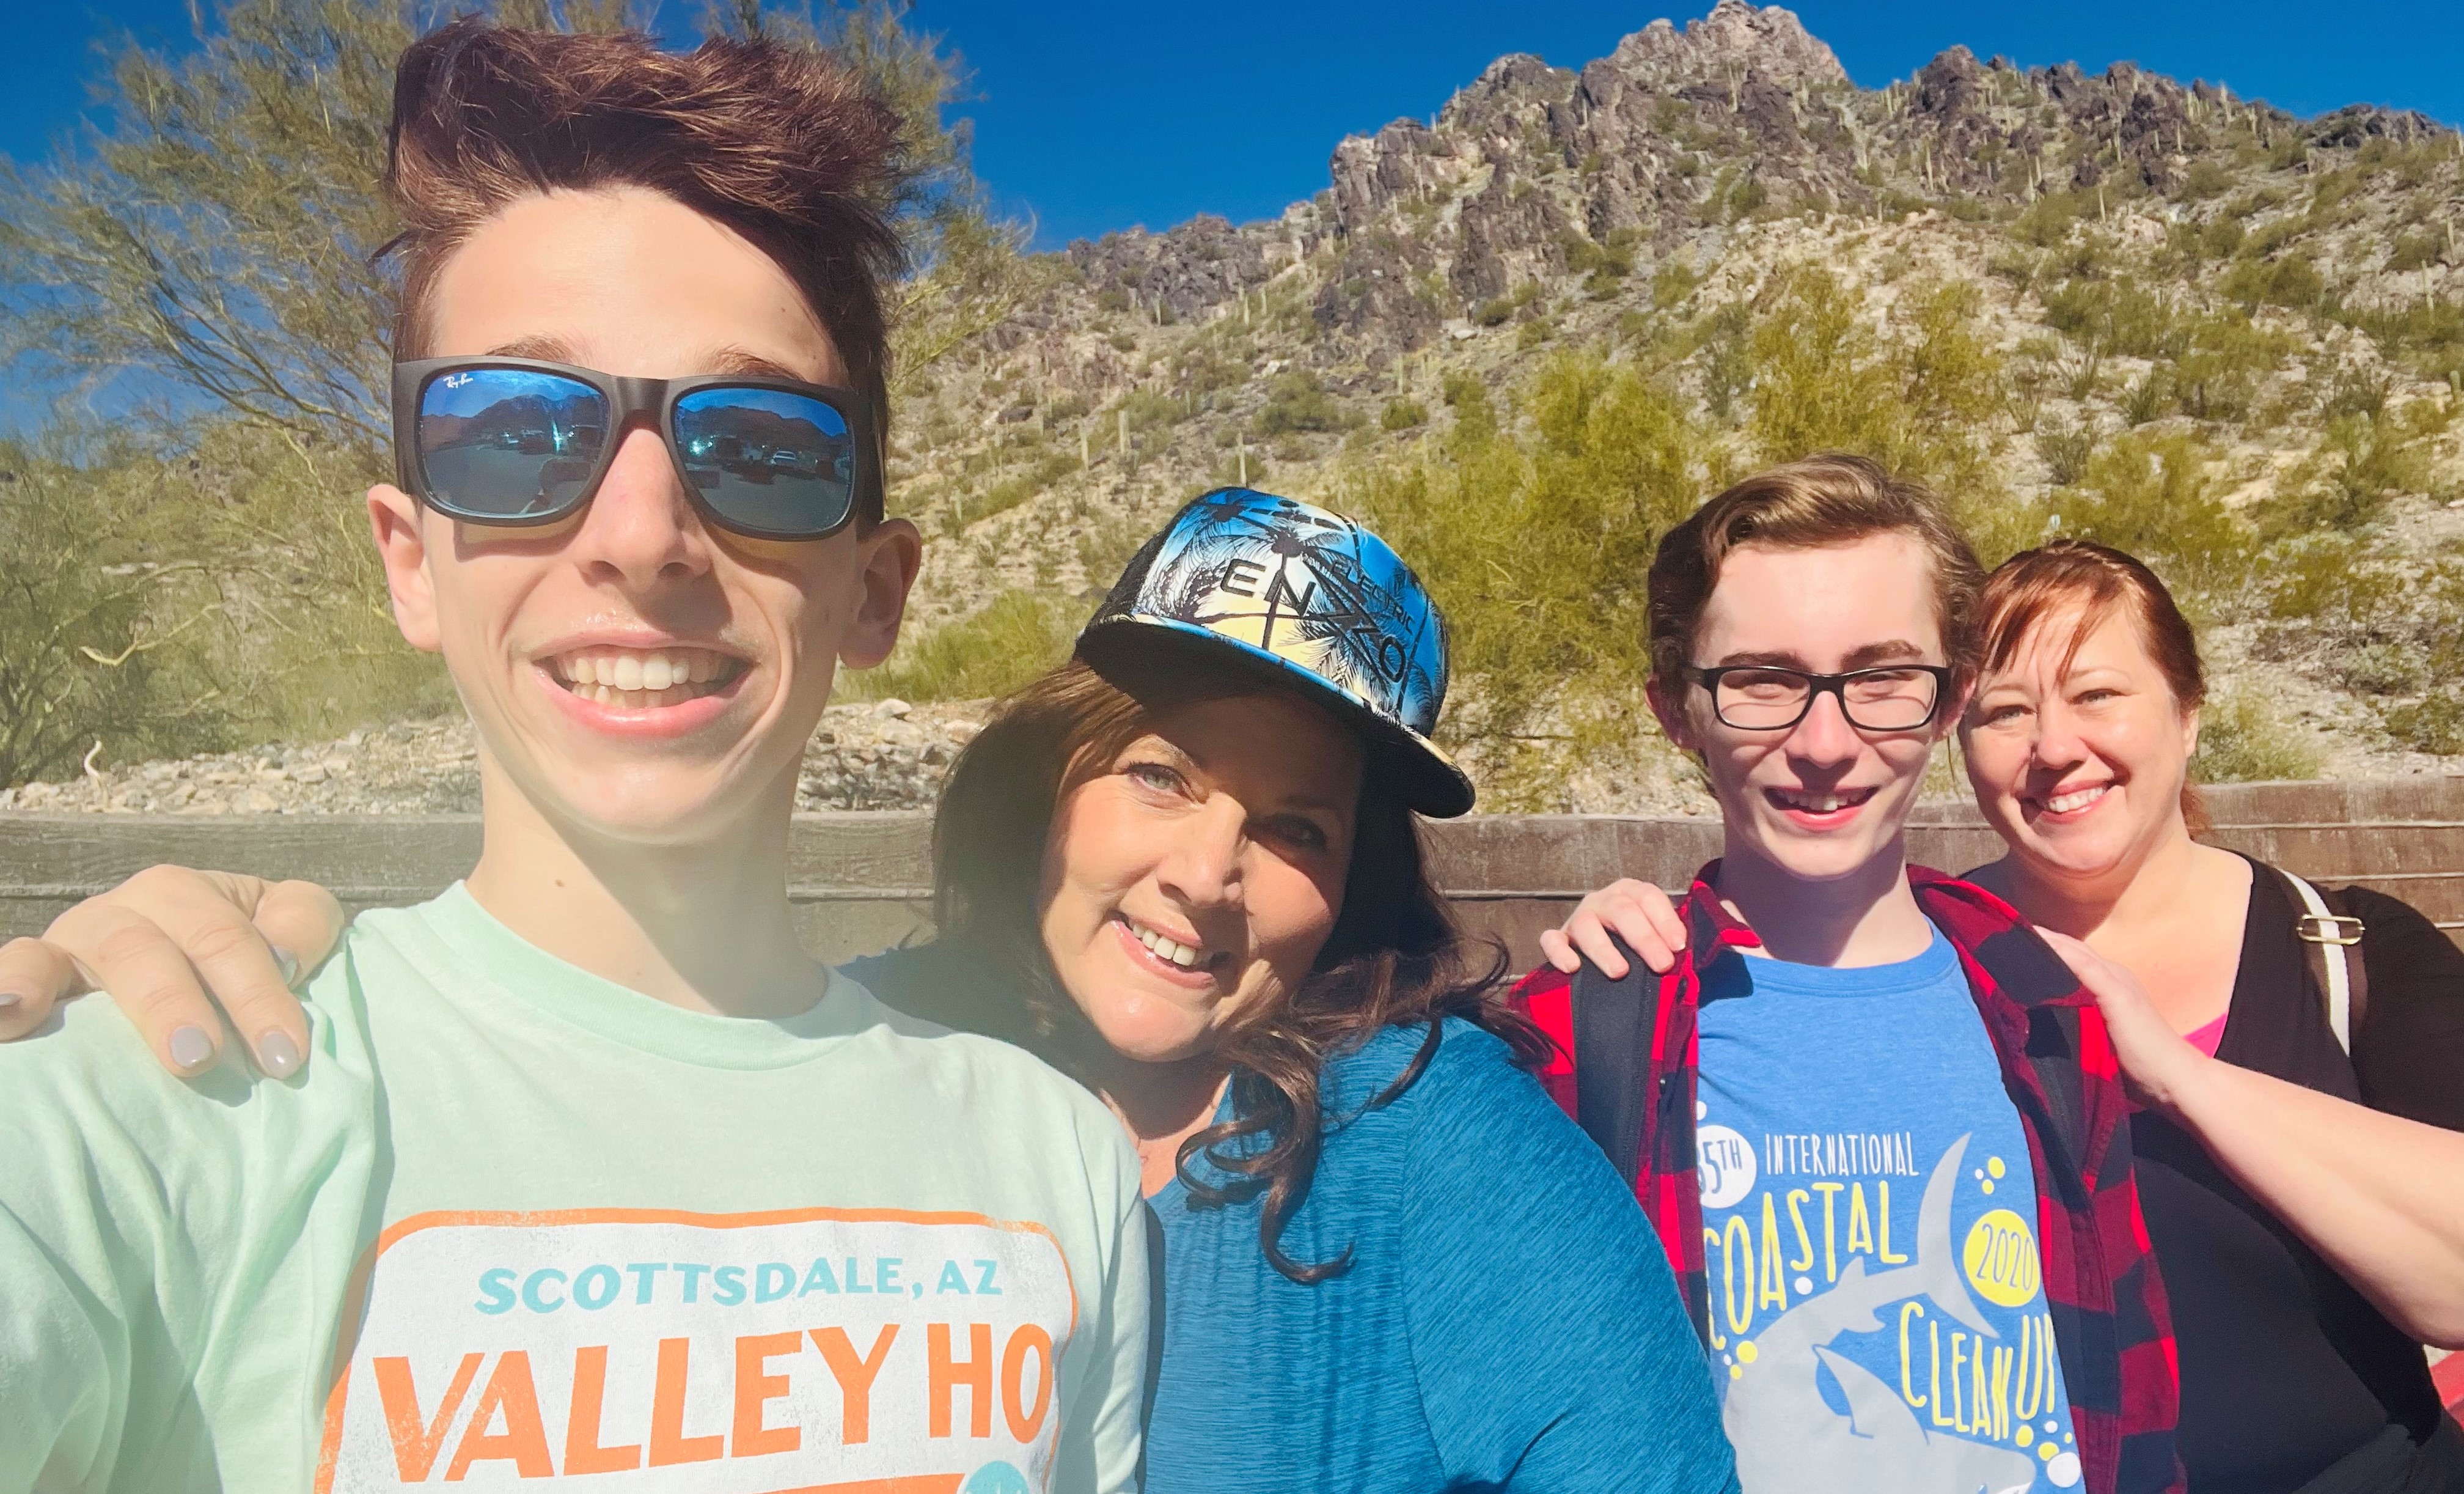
pixel 784 145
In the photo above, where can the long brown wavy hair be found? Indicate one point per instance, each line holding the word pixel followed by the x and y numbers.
pixel 1395 956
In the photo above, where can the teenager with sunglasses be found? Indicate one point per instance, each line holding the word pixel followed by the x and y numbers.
pixel 594 1173
pixel 1185 867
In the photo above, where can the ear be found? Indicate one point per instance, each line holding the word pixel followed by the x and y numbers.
pixel 891 554
pixel 1671 713
pixel 1953 717
pixel 2190 733
pixel 393 516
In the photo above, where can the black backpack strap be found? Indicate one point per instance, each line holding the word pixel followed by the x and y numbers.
pixel 1612 1021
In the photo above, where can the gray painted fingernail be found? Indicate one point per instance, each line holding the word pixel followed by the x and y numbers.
pixel 288 964
pixel 192 1048
pixel 277 1055
pixel 10 1000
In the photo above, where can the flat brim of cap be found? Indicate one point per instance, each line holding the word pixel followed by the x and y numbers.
pixel 1136 651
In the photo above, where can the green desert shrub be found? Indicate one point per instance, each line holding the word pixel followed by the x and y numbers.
pixel 1015 489
pixel 2120 316
pixel 2431 723
pixel 1536 541
pixel 1403 414
pixel 1926 401
pixel 2395 667
pixel 1015 636
pixel 99 629
pixel 2152 494
pixel 1298 401
pixel 2290 282
pixel 2242 739
pixel 2364 460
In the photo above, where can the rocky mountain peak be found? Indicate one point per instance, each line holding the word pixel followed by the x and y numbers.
pixel 1737 37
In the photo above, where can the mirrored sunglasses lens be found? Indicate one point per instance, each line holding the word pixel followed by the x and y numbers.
pixel 766 461
pixel 509 443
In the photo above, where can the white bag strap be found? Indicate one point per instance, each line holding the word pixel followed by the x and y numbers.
pixel 2333 933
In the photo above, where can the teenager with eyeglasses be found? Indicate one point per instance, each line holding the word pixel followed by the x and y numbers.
pixel 2299 1050
pixel 594 1174
pixel 1873 1115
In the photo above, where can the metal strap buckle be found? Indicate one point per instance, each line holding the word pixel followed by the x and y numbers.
pixel 2328 928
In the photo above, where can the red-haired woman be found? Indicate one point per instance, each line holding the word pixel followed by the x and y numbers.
pixel 2308 1219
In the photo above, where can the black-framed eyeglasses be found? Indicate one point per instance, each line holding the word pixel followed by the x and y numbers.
pixel 1766 698
pixel 517 441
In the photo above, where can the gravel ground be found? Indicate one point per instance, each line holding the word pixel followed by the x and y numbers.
pixel 884 756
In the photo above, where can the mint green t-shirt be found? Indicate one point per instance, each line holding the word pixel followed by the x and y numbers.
pixel 517 1225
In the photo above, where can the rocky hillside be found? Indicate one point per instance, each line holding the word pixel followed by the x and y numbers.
pixel 2150 265
pixel 2149 311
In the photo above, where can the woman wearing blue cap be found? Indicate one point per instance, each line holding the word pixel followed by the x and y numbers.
pixel 1184 866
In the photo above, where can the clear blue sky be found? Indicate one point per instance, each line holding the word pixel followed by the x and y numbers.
pixel 1098 114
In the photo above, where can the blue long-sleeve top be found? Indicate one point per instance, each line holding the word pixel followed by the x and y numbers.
pixel 1507 1321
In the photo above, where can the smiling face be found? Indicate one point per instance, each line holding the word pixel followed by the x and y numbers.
pixel 632 670
pixel 2079 767
pixel 1199 874
pixel 1821 799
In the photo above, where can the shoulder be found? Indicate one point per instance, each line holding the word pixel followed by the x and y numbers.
pixel 1469 1094
pixel 1463 1055
pixel 945 985
pixel 1547 996
pixel 2395 928
pixel 1025 1100
pixel 2409 958
pixel 90 1122
pixel 87 1050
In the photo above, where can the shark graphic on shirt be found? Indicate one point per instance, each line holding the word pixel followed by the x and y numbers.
pixel 1788 1437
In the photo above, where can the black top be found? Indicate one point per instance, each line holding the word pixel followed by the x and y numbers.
pixel 2285 1368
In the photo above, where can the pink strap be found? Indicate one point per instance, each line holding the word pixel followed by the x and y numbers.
pixel 2208 1038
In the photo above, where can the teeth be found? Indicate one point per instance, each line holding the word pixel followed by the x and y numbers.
pixel 2064 804
pixel 632 680
pixel 1179 954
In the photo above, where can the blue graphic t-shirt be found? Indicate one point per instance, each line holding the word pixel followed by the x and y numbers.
pixel 1869 1219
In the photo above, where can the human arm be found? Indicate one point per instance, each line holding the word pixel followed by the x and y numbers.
pixel 1552 1351
pixel 2380 1197
pixel 165 939
pixel 1635 911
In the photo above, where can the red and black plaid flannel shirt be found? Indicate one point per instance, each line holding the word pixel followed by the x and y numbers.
pixel 2108 1302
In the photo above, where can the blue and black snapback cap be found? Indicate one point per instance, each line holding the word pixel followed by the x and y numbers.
pixel 1300 596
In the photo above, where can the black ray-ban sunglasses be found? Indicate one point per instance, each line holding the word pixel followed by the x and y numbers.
pixel 517 441
pixel 1766 698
